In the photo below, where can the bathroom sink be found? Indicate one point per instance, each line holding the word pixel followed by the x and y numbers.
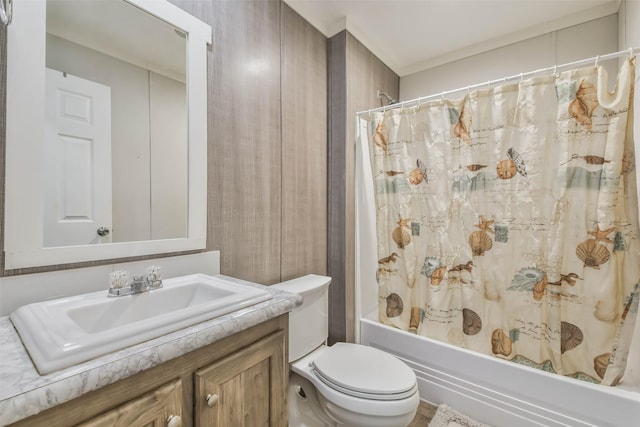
pixel 63 332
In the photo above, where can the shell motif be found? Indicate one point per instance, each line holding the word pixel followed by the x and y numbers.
pixel 592 253
pixel 527 278
pixel 475 167
pixel 399 234
pixel 380 138
pixel 395 305
pixel 430 265
pixel 419 174
pixel 438 275
pixel 586 101
pixel 414 322
pixel 517 160
pixel 506 169
pixel 500 343
pixel 605 311
pixel 463 128
pixel 393 173
pixel 471 322
pixel 480 242
pixel 600 364
pixel 570 336
pixel 538 288
pixel 401 237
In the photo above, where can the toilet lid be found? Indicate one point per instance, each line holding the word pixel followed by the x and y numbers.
pixel 364 372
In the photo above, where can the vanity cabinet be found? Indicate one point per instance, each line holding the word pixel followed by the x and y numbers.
pixel 232 392
pixel 238 381
pixel 159 408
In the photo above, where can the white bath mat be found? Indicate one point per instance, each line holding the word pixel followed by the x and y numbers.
pixel 447 417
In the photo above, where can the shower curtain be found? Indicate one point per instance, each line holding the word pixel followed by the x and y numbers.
pixel 507 221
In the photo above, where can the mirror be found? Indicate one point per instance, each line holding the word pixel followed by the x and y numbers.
pixel 101 167
pixel 106 131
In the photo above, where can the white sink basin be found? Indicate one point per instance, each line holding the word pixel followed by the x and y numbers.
pixel 63 332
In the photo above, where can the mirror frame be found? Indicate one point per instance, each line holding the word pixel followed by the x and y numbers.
pixel 23 226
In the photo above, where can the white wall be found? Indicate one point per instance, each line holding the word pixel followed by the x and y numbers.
pixel 169 157
pixel 586 40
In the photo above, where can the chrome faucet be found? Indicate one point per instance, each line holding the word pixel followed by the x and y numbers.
pixel 122 283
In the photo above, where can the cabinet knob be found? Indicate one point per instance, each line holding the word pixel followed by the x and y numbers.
pixel 174 421
pixel 212 399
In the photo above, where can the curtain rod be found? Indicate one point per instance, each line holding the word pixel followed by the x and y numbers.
pixel 503 80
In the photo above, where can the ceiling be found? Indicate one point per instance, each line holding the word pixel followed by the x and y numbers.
pixel 413 35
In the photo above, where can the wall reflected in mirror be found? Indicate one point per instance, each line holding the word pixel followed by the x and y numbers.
pixel 116 141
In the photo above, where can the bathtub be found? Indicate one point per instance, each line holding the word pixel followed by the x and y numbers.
pixel 498 392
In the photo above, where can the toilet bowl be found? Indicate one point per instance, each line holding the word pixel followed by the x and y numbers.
pixel 345 384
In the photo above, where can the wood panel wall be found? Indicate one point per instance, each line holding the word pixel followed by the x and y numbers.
pixel 266 144
pixel 244 137
pixel 355 75
pixel 304 147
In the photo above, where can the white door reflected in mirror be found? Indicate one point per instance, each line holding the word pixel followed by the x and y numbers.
pixel 77 161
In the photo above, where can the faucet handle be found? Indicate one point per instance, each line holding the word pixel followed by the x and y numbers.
pixel 119 279
pixel 154 273
pixel 154 276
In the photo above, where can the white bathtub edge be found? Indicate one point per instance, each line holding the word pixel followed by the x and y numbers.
pixel 500 393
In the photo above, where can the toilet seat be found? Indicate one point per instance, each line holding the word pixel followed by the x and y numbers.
pixel 364 372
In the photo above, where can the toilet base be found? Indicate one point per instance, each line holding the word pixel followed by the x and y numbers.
pixel 314 410
pixel 304 406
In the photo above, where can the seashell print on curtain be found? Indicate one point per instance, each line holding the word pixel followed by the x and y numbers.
pixel 507 221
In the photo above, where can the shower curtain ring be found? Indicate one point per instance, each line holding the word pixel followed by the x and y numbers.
pixel 630 53
pixel 597 59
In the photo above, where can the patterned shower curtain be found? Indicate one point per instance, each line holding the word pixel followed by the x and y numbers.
pixel 507 221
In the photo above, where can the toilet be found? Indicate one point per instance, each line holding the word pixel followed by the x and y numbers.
pixel 345 384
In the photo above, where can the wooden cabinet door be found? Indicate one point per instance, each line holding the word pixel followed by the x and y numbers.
pixel 246 388
pixel 152 409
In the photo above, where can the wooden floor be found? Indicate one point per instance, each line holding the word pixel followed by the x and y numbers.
pixel 424 415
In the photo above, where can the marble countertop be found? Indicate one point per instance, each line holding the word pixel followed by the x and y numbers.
pixel 24 392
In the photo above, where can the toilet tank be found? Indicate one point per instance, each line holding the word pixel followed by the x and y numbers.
pixel 308 323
